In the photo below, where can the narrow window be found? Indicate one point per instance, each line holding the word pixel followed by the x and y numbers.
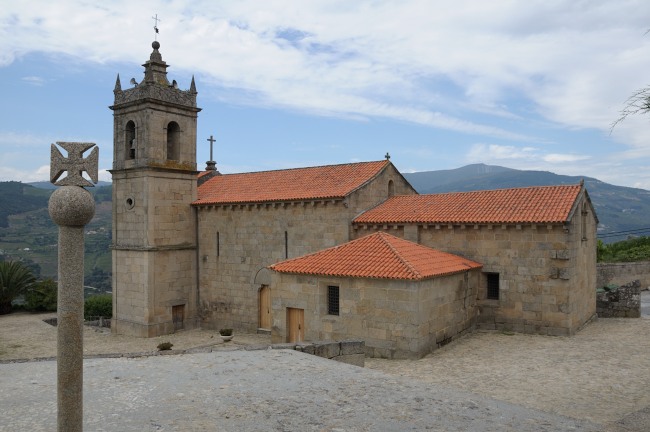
pixel 583 224
pixel 391 188
pixel 286 245
pixel 492 286
pixel 173 141
pixel 332 300
pixel 218 245
pixel 129 140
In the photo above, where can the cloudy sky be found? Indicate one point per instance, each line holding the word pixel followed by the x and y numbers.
pixel 437 84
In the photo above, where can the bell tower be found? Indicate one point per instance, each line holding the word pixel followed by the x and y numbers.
pixel 154 184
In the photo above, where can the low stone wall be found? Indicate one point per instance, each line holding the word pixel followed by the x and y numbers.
pixel 346 351
pixel 619 302
pixel 623 273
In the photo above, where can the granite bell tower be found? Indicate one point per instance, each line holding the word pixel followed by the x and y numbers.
pixel 154 183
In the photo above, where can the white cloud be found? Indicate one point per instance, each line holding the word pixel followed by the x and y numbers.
pixel 573 62
pixel 496 70
pixel 34 80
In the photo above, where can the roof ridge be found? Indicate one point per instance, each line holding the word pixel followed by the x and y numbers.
pixel 384 238
pixel 304 168
pixel 502 189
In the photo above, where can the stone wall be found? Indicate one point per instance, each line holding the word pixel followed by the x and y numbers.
pixel 619 302
pixel 547 273
pixel 346 351
pixel 254 236
pixel 395 318
pixel 623 273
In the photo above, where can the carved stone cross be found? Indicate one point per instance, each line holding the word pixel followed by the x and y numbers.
pixel 75 164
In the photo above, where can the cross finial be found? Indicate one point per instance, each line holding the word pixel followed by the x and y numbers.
pixel 75 164
pixel 212 140
pixel 387 156
pixel 211 164
pixel 155 25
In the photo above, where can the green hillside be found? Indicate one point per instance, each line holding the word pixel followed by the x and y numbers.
pixel 29 235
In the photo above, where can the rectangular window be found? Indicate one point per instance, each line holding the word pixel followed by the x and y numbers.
pixel 332 300
pixel 492 286
pixel 286 245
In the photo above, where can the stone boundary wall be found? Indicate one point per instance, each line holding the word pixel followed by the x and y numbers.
pixel 623 273
pixel 347 351
pixel 621 302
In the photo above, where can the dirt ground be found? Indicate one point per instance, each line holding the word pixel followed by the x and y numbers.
pixel 601 374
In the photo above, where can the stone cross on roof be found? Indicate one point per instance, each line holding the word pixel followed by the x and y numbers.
pixel 75 164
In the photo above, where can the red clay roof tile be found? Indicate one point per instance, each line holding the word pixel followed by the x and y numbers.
pixel 543 204
pixel 378 255
pixel 322 182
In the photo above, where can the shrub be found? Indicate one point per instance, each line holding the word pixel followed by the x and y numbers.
pixel 164 346
pixel 41 297
pixel 15 280
pixel 225 332
pixel 98 305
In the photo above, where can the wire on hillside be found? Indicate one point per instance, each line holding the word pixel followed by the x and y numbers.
pixel 627 232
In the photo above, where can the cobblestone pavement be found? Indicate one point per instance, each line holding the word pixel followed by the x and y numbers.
pixel 600 374
pixel 596 380
pixel 268 390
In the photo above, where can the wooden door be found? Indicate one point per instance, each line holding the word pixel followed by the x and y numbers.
pixel 295 325
pixel 178 314
pixel 265 307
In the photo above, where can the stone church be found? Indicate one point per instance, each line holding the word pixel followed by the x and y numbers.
pixel 330 252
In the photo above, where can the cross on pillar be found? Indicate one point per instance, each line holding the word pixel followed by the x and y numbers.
pixel 211 165
pixel 75 164
pixel 212 140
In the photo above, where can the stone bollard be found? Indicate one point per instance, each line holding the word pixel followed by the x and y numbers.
pixel 71 207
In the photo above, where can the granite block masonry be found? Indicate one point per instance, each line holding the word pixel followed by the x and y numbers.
pixel 71 207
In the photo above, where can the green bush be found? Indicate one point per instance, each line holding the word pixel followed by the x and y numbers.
pixel 15 280
pixel 99 305
pixel 41 297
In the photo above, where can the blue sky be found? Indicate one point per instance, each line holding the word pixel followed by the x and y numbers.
pixel 437 84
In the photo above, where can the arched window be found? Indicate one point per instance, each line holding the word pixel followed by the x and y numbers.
pixel 173 141
pixel 391 188
pixel 129 140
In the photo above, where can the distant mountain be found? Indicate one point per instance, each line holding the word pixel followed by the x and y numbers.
pixel 618 208
pixel 48 185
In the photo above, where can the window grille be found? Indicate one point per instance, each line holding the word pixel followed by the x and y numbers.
pixel 333 300
pixel 493 286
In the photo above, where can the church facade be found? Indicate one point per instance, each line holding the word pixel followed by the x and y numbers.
pixel 201 249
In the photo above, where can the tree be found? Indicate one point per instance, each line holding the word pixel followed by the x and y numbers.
pixel 638 103
pixel 15 280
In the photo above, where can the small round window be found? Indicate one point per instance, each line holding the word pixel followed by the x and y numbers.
pixel 130 203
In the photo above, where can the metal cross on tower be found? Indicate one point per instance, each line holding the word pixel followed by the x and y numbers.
pixel 75 164
pixel 155 25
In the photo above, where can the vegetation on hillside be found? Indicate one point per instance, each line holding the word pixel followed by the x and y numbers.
pixel 634 249
pixel 19 198
pixel 30 236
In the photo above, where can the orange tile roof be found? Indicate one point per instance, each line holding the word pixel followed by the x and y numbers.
pixel 322 182
pixel 544 204
pixel 378 255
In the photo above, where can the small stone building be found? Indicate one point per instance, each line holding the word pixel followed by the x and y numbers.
pixel 401 298
pixel 537 246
